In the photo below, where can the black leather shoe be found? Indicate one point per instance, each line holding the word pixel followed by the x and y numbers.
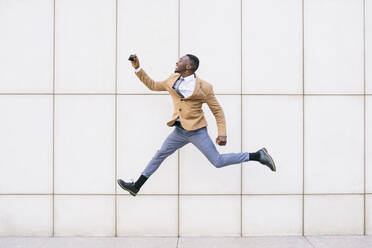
pixel 130 187
pixel 266 159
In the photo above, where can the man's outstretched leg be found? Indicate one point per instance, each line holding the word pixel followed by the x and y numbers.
pixel 174 141
pixel 204 143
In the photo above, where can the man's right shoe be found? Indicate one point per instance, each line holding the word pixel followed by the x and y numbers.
pixel 266 159
pixel 130 187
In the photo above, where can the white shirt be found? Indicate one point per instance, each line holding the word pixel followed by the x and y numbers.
pixel 187 86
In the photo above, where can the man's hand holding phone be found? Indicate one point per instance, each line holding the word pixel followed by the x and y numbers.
pixel 134 60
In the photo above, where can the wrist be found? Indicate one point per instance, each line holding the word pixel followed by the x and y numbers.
pixel 137 69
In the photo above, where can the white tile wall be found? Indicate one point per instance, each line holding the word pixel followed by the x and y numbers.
pixel 272 46
pixel 150 30
pixel 333 214
pixel 26 130
pixel 272 215
pixel 87 215
pixel 147 216
pixel 85 46
pixel 274 122
pixel 210 215
pixel 26 46
pixel 26 215
pixel 333 46
pixel 368 47
pixel 334 144
pixel 85 144
pixel 67 145
pixel 141 132
pixel 368 137
pixel 197 174
pixel 211 31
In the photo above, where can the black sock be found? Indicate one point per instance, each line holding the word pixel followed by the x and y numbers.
pixel 255 156
pixel 140 181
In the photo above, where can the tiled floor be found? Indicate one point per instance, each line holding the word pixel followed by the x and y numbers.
pixel 190 242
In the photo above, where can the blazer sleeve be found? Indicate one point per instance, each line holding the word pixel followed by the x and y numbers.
pixel 151 84
pixel 217 111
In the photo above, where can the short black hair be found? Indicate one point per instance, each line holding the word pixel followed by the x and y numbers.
pixel 194 61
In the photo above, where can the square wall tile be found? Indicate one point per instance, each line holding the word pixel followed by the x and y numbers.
pixel 26 46
pixel 368 148
pixel 85 46
pixel 333 46
pixel 368 214
pixel 333 144
pixel 274 122
pixel 17 218
pixel 84 215
pixel 147 215
pixel 368 46
pixel 272 215
pixel 153 36
pixel 272 46
pixel 85 144
pixel 197 174
pixel 26 131
pixel 210 215
pixel 213 34
pixel 141 131
pixel 333 214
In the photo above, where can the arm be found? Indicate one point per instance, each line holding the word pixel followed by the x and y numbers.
pixel 218 113
pixel 151 84
pixel 142 75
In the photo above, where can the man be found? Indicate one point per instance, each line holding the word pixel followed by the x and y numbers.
pixel 189 92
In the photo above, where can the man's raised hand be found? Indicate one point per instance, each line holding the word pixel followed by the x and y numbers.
pixel 134 60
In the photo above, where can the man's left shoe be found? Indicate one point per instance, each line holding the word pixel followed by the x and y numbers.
pixel 266 159
pixel 130 187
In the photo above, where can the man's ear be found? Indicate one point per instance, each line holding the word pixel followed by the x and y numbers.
pixel 188 67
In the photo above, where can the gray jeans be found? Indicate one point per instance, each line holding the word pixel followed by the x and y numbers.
pixel 199 138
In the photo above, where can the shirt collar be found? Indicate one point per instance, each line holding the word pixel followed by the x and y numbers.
pixel 188 78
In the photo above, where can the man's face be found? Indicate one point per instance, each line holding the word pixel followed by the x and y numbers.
pixel 183 64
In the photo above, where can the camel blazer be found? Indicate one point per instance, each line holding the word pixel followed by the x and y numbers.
pixel 189 109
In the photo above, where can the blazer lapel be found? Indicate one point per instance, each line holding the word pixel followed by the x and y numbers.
pixel 173 80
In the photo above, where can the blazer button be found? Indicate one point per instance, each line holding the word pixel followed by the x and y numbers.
pixel 181 99
pixel 179 109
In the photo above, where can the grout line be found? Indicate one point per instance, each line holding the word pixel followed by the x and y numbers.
pixel 364 117
pixel 241 116
pixel 165 94
pixel 303 115
pixel 178 151
pixel 53 116
pixel 116 117
pixel 191 194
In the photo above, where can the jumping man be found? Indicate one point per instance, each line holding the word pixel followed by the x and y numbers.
pixel 189 92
